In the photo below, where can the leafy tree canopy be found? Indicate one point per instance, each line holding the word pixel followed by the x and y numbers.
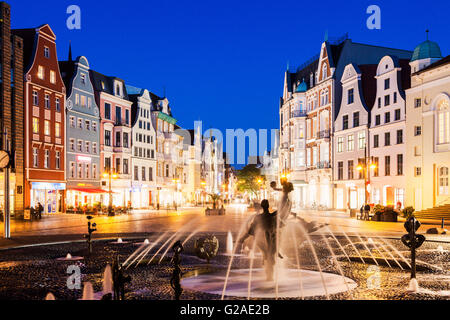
pixel 250 179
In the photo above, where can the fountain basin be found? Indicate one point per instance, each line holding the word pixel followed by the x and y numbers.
pixel 288 284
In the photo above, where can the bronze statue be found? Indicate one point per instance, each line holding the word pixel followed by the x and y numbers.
pixel 176 274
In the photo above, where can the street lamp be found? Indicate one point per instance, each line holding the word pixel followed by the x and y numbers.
pixel 175 181
pixel 203 184
pixel 366 173
pixel 110 174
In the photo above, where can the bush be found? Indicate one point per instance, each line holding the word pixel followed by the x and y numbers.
pixel 408 212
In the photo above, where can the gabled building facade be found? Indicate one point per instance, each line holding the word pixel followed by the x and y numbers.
pixel 115 136
pixel 143 144
pixel 82 135
pixel 44 99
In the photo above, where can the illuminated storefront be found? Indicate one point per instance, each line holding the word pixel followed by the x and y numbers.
pixel 49 195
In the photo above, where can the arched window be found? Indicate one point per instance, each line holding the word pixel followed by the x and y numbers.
pixel 443 180
pixel 443 121
pixel 324 71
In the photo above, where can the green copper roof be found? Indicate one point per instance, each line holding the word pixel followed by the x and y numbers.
pixel 427 49
pixel 302 87
pixel 167 118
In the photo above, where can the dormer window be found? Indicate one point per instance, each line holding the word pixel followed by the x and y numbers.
pixel 47 52
pixel 118 90
pixel 83 78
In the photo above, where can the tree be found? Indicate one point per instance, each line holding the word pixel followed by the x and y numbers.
pixel 250 179
pixel 214 198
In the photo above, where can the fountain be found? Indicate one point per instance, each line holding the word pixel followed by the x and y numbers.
pixel 50 296
pixel 119 241
pixel 229 243
pixel 88 291
pixel 69 257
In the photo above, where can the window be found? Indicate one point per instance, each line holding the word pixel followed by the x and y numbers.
pixel 387 138
pixel 350 96
pixel 35 125
pixel 377 120
pixel 125 166
pixel 417 171
pixel 117 165
pixel 107 138
pixel 72 144
pixel 150 174
pixel 386 83
pixel 58 160
pixel 80 146
pixel 340 170
pixel 47 159
pixel 80 171
pixel 355 119
pixel 400 164
pixel 83 101
pixel 387 117
pixel 399 136
pixel 47 101
pixel 350 143
pixel 443 125
pixel 77 99
pixel 345 122
pixel 376 170
pixel 52 77
pixel 41 72
pixel 83 78
pixel 88 146
pixel 443 181
pixel 397 114
pixel 80 123
pixel 417 130
pixel 87 171
pixel 350 170
pixel 324 71
pixel 417 103
pixel 362 140
pixel 143 174
pixel 57 130
pixel 35 98
pixel 89 103
pixel 107 111
pixel 395 97
pixel 94 147
pixel 387 100
pixel 387 165
pixel 47 52
pixel 94 171
pixel 376 141
pixel 136 173
pixel 108 164
pixel 118 137
pixel 94 126
pixel 127 116
pixel 167 170
pixel 57 105
pixel 118 115
pixel 35 157
pixel 87 124
pixel 379 103
pixel 72 170
pixel 125 139
pixel 46 127
pixel 72 121
pixel 340 144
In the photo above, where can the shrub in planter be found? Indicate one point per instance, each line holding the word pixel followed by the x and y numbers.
pixel 408 212
pixel 389 215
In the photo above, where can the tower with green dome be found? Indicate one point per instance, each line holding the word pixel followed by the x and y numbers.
pixel 425 54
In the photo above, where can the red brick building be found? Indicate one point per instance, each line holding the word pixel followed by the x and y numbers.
pixel 44 100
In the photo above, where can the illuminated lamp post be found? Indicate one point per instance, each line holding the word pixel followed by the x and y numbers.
pixel 110 174
pixel 203 184
pixel 364 167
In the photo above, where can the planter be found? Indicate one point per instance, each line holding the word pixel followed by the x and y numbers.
pixel 215 212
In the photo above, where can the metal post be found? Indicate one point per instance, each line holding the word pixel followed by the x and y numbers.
pixel 7 214
pixel 442 223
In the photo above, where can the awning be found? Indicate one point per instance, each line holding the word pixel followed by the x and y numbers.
pixel 89 190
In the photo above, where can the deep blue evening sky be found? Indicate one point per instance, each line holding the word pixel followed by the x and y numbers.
pixel 223 61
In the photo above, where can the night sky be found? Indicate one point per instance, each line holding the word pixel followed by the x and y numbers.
pixel 223 61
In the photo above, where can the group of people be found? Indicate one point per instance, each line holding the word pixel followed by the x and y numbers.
pixel 364 211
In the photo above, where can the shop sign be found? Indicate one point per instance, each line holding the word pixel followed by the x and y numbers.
pixel 48 186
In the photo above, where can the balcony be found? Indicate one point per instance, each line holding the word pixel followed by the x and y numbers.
pixel 324 134
pixel 298 113
pixel 323 165
pixel 121 123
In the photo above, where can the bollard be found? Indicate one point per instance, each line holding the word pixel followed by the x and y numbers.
pixel 176 275
pixel 412 241
pixel 442 223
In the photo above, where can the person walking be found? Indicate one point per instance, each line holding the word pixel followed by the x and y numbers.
pixel 40 210
pixel 366 211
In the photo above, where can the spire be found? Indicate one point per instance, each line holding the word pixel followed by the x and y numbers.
pixel 287 66
pixel 427 31
pixel 70 50
pixel 326 36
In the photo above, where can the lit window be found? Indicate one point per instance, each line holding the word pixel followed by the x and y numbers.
pixel 58 160
pixel 340 145
pixel 443 122
pixel 41 72
pixel 362 140
pixel 35 125
pixel 57 129
pixel 46 127
pixel 47 52
pixel 47 159
pixel 35 98
pixel 350 143
pixel 52 77
pixel 443 181
pixel 35 157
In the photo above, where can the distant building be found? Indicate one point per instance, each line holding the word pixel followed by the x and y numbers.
pixel 44 98
pixel 428 129
pixel 82 135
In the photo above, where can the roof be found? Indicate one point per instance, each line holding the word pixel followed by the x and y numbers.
pixel 436 64
pixel 425 50
pixel 97 78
